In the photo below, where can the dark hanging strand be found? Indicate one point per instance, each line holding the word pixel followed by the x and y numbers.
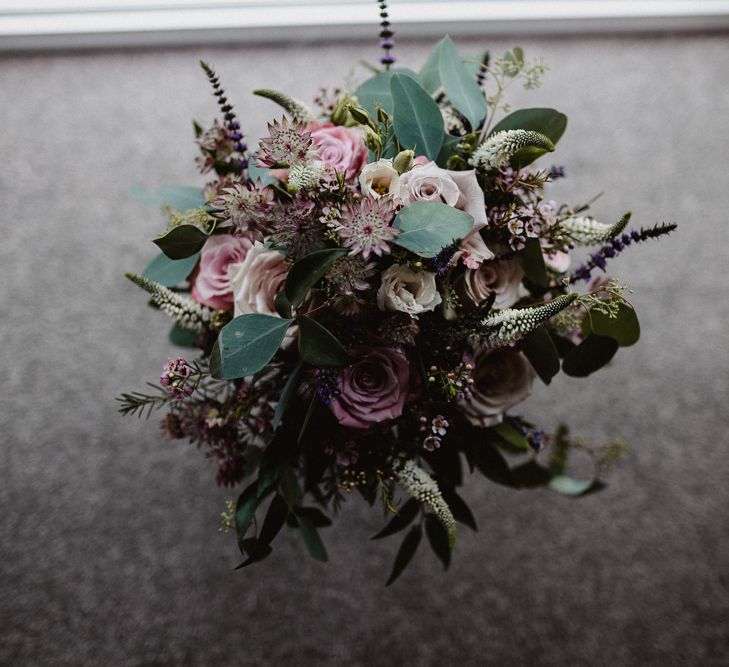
pixel 386 35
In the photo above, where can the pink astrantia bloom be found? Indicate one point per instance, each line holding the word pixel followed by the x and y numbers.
pixel 211 282
pixel 365 227
pixel 373 389
pixel 287 143
pixel 341 148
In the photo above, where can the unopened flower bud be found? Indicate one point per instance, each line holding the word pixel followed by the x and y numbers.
pixel 372 139
pixel 403 161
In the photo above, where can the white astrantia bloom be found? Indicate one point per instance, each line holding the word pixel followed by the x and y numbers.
pixel 421 486
pixel 498 149
pixel 408 291
pixel 380 178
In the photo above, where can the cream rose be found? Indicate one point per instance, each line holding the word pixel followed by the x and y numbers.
pixel 257 280
pixel 502 277
pixel 460 189
pixel 380 178
pixel 407 291
pixel 501 379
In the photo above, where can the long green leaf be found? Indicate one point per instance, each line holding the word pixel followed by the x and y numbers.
pixel 549 122
pixel 590 355
pixel 245 509
pixel 376 91
pixel 182 242
pixel 318 346
pixel 542 354
pixel 406 552
pixel 460 87
pixel 288 391
pixel 170 272
pixel 307 271
pixel 401 520
pixel 312 541
pixel 417 119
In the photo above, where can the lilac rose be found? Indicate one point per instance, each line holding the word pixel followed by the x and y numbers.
pixel 373 389
pixel 501 379
pixel 340 148
pixel 211 282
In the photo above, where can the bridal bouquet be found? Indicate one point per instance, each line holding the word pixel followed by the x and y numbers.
pixel 371 293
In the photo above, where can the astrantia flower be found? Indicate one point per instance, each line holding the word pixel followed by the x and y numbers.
pixel 287 144
pixel 243 206
pixel 351 274
pixel 297 228
pixel 365 228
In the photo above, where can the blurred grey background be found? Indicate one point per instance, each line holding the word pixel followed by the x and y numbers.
pixel 109 550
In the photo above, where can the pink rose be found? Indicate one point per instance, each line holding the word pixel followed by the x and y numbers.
pixel 340 148
pixel 556 260
pixel 211 282
pixel 460 189
pixel 502 277
pixel 501 379
pixel 257 280
pixel 374 389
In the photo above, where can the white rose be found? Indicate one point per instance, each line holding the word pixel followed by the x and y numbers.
pixel 501 379
pixel 256 281
pixel 407 291
pixel 460 189
pixel 380 178
pixel 502 277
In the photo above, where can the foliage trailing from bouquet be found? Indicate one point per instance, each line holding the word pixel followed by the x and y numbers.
pixel 372 292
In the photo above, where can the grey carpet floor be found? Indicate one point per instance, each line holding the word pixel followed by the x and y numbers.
pixel 109 551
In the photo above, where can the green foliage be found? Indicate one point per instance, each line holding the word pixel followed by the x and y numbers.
pixel 417 119
pixel 461 511
pixel 438 538
pixel 406 552
pixel 445 68
pixel 309 533
pixel 426 228
pixel 539 348
pixel 404 517
pixel 318 346
pixel 511 436
pixel 178 197
pixel 375 92
pixel 182 242
pixel 491 464
pixel 624 328
pixel 288 391
pixel 590 355
pixel 245 510
pixel 170 272
pixel 549 122
pixel 308 271
pixel 532 261
pixel 182 337
pixel 246 345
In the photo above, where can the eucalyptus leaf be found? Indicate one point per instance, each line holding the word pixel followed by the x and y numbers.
pixel 417 118
pixel 318 346
pixel 182 242
pixel 170 272
pixel 590 355
pixel 182 337
pixel 275 519
pixel 530 475
pixel 246 345
pixel 426 228
pixel 539 348
pixel 438 539
pixel 625 328
pixel 312 541
pixel 178 197
pixel 569 486
pixel 308 271
pixel 511 436
pixel 315 515
pixel 460 87
pixel 376 91
pixel 245 508
pixel 402 519
pixel 406 552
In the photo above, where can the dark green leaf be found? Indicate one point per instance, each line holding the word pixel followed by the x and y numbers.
pixel 530 475
pixel 624 328
pixel 512 436
pixel 532 261
pixel 308 271
pixel 245 509
pixel 406 552
pixel 426 228
pixel 446 150
pixel 460 510
pixel 182 337
pixel 170 272
pixel 402 519
pixel 313 542
pixel 549 122
pixel 288 391
pixel 182 242
pixel 269 474
pixel 291 489
pixel 315 515
pixel 257 552
pixel 179 197
pixel 570 487
pixel 562 344
pixel 460 87
pixel 275 519
pixel 542 354
pixel 246 345
pixel 283 305
pixel 438 538
pixel 318 346
pixel 417 119
pixel 590 355
pixel 376 91
pixel 491 464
